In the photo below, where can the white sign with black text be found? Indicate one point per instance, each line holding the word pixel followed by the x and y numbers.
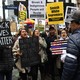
pixel 37 9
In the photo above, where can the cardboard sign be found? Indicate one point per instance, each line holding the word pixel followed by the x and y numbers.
pixel 5 34
pixel 58 46
pixel 13 26
pixel 55 13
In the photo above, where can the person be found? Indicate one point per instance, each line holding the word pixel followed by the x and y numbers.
pixel 60 60
pixel 51 64
pixel 6 62
pixel 16 52
pixel 63 35
pixel 71 69
pixel 34 68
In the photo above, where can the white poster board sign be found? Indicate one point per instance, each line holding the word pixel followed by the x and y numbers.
pixel 37 9
pixel 69 12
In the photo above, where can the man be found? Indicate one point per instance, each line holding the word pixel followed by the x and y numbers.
pixel 51 64
pixel 6 63
pixel 71 70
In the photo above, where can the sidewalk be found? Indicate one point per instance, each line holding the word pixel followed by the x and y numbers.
pixel 16 75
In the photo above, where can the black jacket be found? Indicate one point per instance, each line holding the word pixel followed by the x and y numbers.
pixel 71 70
pixel 29 48
pixel 6 59
pixel 48 41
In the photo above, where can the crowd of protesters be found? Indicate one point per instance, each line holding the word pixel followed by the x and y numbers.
pixel 65 65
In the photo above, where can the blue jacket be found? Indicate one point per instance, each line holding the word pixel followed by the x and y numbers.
pixel 71 70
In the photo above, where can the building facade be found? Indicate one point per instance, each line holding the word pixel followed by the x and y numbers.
pixel 78 3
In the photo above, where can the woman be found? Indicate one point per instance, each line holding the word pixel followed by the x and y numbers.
pixel 34 69
pixel 63 36
pixel 16 52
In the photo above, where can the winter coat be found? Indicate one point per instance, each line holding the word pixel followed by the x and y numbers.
pixel 48 41
pixel 6 59
pixel 42 49
pixel 71 70
pixel 27 56
pixel 17 54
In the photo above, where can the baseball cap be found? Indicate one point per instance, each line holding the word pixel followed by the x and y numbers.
pixel 75 16
pixel 51 28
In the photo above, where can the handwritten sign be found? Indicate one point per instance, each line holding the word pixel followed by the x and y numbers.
pixel 5 34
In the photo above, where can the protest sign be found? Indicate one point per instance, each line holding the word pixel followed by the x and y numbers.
pixel 29 48
pixel 37 9
pixel 58 46
pixel 22 9
pixel 40 24
pixel 13 26
pixel 5 34
pixel 55 13
pixel 69 12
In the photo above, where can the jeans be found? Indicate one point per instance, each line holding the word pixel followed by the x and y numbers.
pixel 8 75
pixel 34 71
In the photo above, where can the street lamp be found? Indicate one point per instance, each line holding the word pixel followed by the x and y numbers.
pixel 3 2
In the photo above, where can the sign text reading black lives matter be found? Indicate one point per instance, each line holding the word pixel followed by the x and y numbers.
pixel 5 34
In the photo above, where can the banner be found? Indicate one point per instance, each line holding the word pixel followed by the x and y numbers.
pixel 57 47
pixel 37 9
pixel 55 13
pixel 5 34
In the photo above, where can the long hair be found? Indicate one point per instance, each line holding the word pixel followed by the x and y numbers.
pixel 34 33
pixel 21 30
